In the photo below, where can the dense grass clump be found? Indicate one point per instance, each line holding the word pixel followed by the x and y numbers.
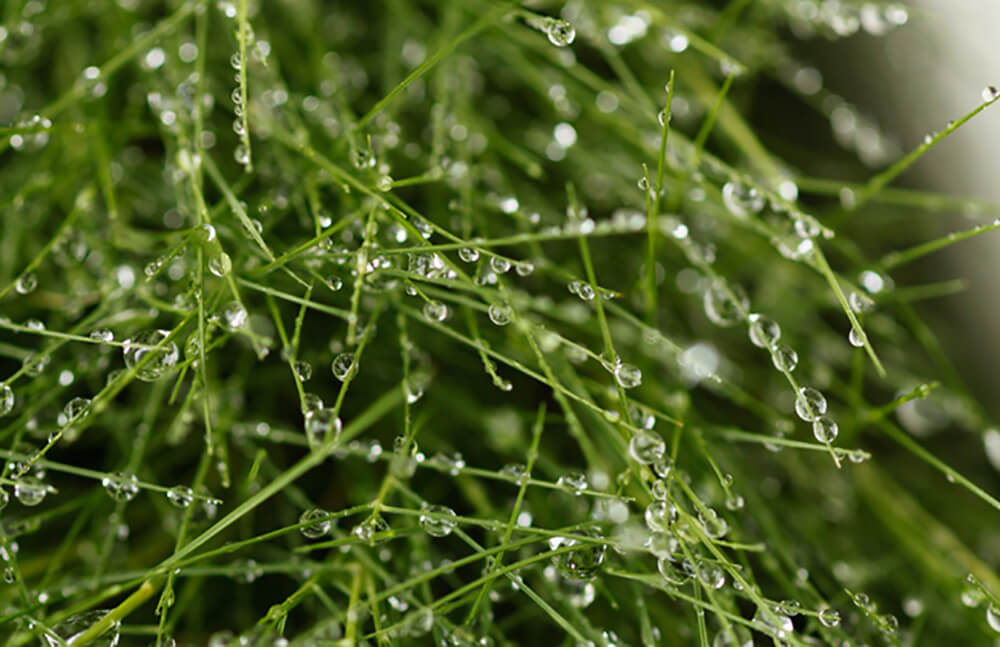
pixel 474 323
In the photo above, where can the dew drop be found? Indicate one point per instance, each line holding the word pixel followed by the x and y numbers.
pixel 6 399
pixel 741 200
pixel 784 358
pixel 628 376
pixel 103 335
pixel 725 305
pixel 367 530
pixel 585 562
pixel 646 447
pixel 342 366
pixel 468 254
pixel 583 290
pixel 763 331
pixel 829 616
pixel 713 524
pixel 524 268
pixel 990 93
pixel 500 265
pixel 321 424
pixel 856 337
pixel 66 632
pixel 384 183
pixel 30 490
pixel 993 617
pixel 560 32
pixel 26 283
pixel 435 311
pixel 809 404
pixel 220 264
pixel 234 316
pixel 160 358
pixel 319 523
pixel 120 486
pixel 180 496
pixel 76 409
pixel 499 314
pixel 303 370
pixel 438 520
pixel 575 482
pixel 825 429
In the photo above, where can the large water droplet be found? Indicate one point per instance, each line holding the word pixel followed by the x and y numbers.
pixel 438 520
pixel 763 331
pixel 26 283
pixel 990 93
pixel 583 563
pixel 319 523
pixel 468 254
pixel 160 360
pixel 342 366
pixel 628 376
pixel 220 264
pixel 784 358
pixel 646 447
pixel 66 632
pixel 75 410
pixel 829 616
pixel 575 482
pixel 560 32
pixel 993 617
pixel 321 424
pixel 435 311
pixel 120 486
pixel 810 404
pixel 725 305
pixel 30 490
pixel 180 496
pixel 499 314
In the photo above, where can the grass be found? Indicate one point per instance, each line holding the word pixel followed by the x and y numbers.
pixel 475 323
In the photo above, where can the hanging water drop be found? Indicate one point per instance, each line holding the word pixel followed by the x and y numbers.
pixel 990 93
pixel 856 337
pixel 646 447
pixel 320 425
pixel 575 482
pixel 26 283
pixel 220 264
pixel 560 32
pixel 499 265
pixel 810 404
pixel 120 486
pixel 829 617
pixel 180 496
pixel 628 376
pixel 435 311
pixel 30 490
pixel 234 316
pixel 303 370
pixel 741 200
pixel 784 358
pixel 468 254
pixel 318 521
pixel 155 359
pixel 499 314
pixel 343 366
pixel 825 429
pixel 764 332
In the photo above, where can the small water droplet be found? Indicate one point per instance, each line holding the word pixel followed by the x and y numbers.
pixel 784 358
pixel 26 283
pixel 435 311
pixel 468 254
pixel 6 399
pixel 993 617
pixel 646 447
pixel 303 370
pixel 220 264
pixel 856 337
pixel 342 366
pixel 763 331
pixel 809 404
pixel 160 358
pixel 829 616
pixel 990 93
pixel 628 376
pixel 180 496
pixel 30 490
pixel 234 316
pixel 499 314
pixel 560 32
pixel 575 482
pixel 321 424
pixel 75 410
pixel 500 265
pixel 120 486
pixel 741 200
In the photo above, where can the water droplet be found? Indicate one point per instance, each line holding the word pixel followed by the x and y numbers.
pixel 303 370
pixel 713 524
pixel 990 93
pixel 859 303
pixel 156 360
pixel 810 404
pixel 775 624
pixel 120 486
pixel 891 622
pixel 6 399
pixel 362 158
pixel 35 364
pixel 220 264
pixel 76 409
pixel 499 314
pixel 764 332
pixel 435 311
pixel 993 617
pixel 26 283
pixel 524 268
pixel 560 32
pixel 646 447
pixel 711 575
pixel 66 632
pixel 829 616
pixel 741 200
pixel 384 183
pixel 662 118
pixel 334 283
pixel 320 425
pixel 671 573
pixel 30 490
pixel 438 520
pixel 734 502
pixel 575 482
pixel 583 290
pixel 320 523
pixel 856 337
pixel 234 316
pixel 180 496
pixel 500 265
pixel 784 358
pixel 367 529
pixel 585 562
pixel 468 254
pixel 102 334
pixel 660 516
pixel 343 366
pixel 628 376
pixel 725 305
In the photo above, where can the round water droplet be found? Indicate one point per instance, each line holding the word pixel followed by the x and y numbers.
pixel 660 516
pixel 711 575
pixel 303 370
pixel 468 254
pixel 335 283
pixel 671 573
pixel 560 32
pixel 6 399
pixel 435 311
pixel 220 264
pixel 829 616
pixel 585 562
pixel 343 366
pixel 234 316
pixel 66 632
pixel 714 525
pixel 319 523
pixel 180 496
pixel 825 429
pixel 438 520
pixel 764 332
pixel 809 404
pixel 662 117
pixel 990 93
pixel 859 303
pixel 499 314
pixel 367 530
pixel 384 183
pixel 741 200
pixel 321 424
pixel 628 376
pixel 120 486
pixel 75 410
pixel 500 265
pixel 775 624
pixel 725 305
pixel 646 447
pixel 784 358
pixel 26 283
pixel 155 359
pixel 993 617
pixel 856 337
pixel 524 268
pixel 362 158
pixel 30 490
pixel 583 290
